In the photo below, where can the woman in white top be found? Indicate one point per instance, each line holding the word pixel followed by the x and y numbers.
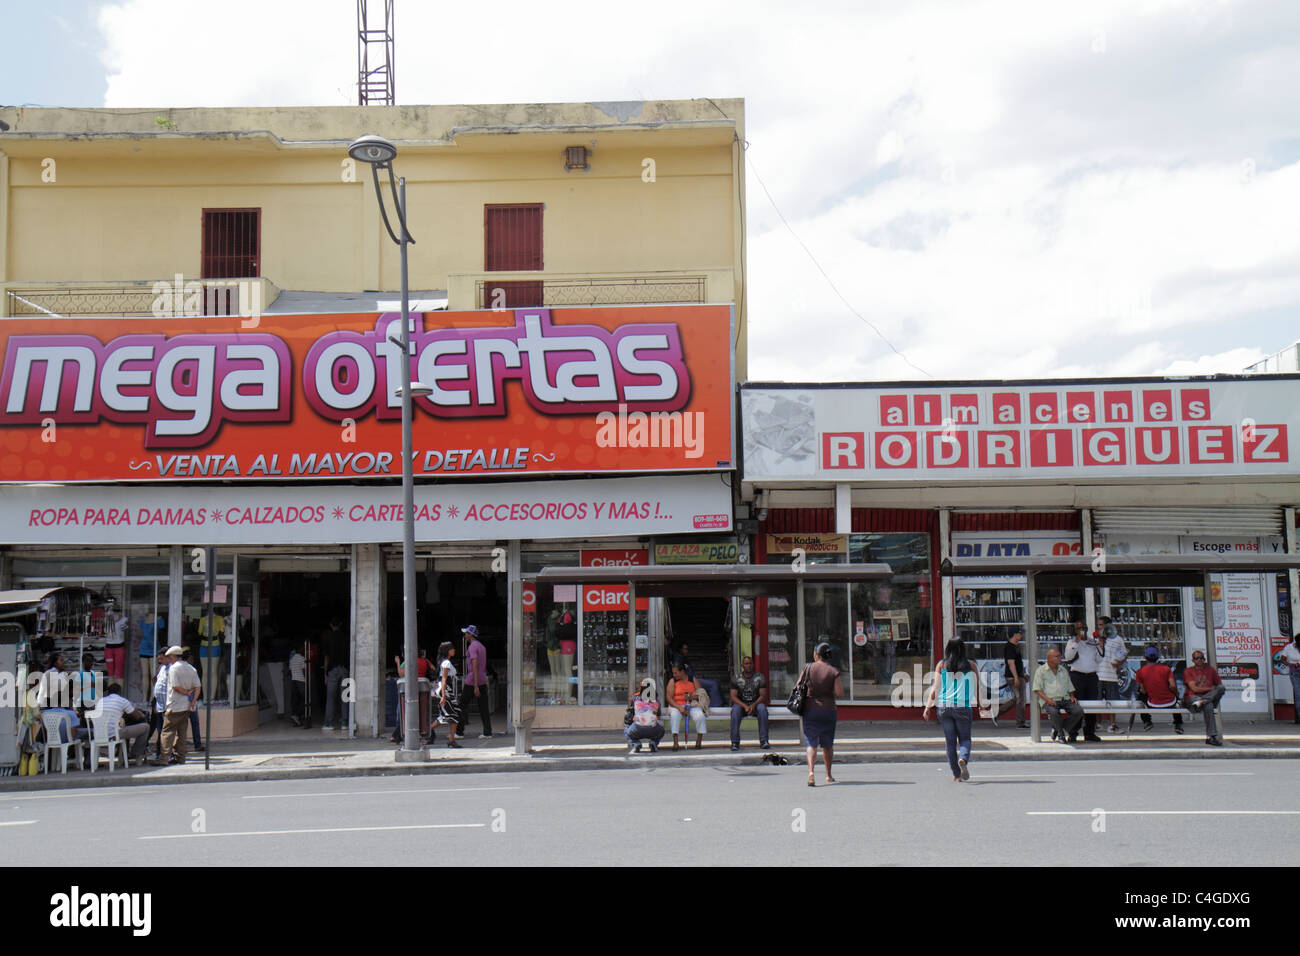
pixel 1290 655
pixel 448 707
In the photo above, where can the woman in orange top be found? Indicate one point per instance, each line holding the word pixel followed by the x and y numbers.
pixel 681 697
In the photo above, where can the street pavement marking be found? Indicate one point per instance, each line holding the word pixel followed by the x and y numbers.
pixel 422 826
pixel 1120 773
pixel 370 793
pixel 16 823
pixel 1164 813
pixel 91 792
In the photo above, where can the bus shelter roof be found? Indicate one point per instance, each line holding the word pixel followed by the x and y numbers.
pixel 1122 570
pixel 715 580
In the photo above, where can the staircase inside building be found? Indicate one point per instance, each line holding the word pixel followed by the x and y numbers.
pixel 701 623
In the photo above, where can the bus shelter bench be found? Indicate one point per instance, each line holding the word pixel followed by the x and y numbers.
pixel 774 712
pixel 1130 707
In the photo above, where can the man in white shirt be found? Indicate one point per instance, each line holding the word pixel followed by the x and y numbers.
pixel 1083 655
pixel 159 700
pixel 182 689
pixel 1114 652
pixel 114 707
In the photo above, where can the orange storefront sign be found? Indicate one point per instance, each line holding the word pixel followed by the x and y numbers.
pixel 524 391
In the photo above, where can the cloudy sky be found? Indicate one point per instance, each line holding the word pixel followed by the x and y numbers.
pixel 995 189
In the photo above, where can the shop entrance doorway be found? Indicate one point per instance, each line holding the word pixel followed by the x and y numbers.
pixel 295 612
pixel 446 602
pixel 703 624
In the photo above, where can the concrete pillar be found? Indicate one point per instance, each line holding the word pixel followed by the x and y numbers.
pixel 175 599
pixel 369 637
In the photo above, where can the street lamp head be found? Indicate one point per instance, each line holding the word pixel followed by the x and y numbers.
pixel 372 149
pixel 418 390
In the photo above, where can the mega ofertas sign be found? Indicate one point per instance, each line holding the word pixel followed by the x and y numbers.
pixel 1050 430
pixel 525 391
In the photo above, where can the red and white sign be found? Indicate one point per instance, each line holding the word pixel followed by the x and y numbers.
pixel 298 397
pixel 611 597
pixel 1231 644
pixel 1051 431
pixel 354 514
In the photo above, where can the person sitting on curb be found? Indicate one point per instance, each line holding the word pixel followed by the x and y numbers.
pixel 645 718
pixel 748 699
pixel 1204 690
pixel 1156 688
pixel 1053 687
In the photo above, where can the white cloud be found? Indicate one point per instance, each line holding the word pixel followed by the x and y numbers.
pixel 1005 188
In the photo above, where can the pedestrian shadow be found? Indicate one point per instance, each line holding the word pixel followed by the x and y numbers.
pixel 996 783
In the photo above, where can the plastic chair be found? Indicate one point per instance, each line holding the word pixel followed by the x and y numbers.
pixel 54 724
pixel 103 733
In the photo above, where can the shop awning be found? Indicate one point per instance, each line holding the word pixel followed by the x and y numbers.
pixel 28 596
pixel 715 580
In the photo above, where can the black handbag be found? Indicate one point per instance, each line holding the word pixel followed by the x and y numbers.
pixel 798 701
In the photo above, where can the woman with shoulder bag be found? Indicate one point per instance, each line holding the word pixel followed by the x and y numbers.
pixel 819 715
pixel 956 690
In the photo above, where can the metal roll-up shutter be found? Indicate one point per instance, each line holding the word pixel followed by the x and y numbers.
pixel 1246 521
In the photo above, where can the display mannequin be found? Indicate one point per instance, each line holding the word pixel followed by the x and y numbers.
pixel 149 629
pixel 568 634
pixel 115 645
pixel 210 647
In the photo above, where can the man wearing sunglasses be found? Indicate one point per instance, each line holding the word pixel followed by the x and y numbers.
pixel 1204 689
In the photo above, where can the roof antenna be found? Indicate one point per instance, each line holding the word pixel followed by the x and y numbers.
pixel 376 84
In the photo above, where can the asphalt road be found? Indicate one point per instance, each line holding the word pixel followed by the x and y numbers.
pixel 877 814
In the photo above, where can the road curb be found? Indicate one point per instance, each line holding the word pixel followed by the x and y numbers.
pixel 643 761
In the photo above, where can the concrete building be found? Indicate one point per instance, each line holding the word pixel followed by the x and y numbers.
pixel 254 226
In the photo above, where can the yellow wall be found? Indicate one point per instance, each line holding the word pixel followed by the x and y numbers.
pixel 128 197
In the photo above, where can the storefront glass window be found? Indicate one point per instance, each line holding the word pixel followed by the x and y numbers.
pixel 551 630
pixel 68 568
pixel 151 566
pixel 875 629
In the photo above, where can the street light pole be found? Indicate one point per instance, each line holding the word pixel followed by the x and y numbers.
pixel 379 153
pixel 411 739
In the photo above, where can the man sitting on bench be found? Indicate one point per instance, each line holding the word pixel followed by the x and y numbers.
pixel 1053 687
pixel 1156 688
pixel 1204 689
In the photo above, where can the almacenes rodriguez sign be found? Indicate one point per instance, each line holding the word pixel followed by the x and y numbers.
pixel 526 391
pixel 997 431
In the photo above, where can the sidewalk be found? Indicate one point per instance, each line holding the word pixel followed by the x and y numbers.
pixel 277 752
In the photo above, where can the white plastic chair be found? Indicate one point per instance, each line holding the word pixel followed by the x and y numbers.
pixel 53 740
pixel 103 733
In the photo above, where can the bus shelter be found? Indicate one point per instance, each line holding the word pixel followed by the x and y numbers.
pixel 1119 571
pixel 719 580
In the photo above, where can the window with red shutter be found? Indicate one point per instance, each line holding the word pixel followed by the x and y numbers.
pixel 231 243
pixel 512 242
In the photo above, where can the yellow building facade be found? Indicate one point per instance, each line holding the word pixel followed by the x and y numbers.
pixel 548 205
pixel 98 205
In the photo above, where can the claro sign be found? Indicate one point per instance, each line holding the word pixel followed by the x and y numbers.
pixel 522 391
pixel 1048 430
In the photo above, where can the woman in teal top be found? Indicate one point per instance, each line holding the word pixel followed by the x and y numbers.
pixel 956 692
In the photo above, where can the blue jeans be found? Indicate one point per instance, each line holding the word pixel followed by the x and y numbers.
pixel 1295 692
pixel 956 723
pixel 333 703
pixel 738 714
